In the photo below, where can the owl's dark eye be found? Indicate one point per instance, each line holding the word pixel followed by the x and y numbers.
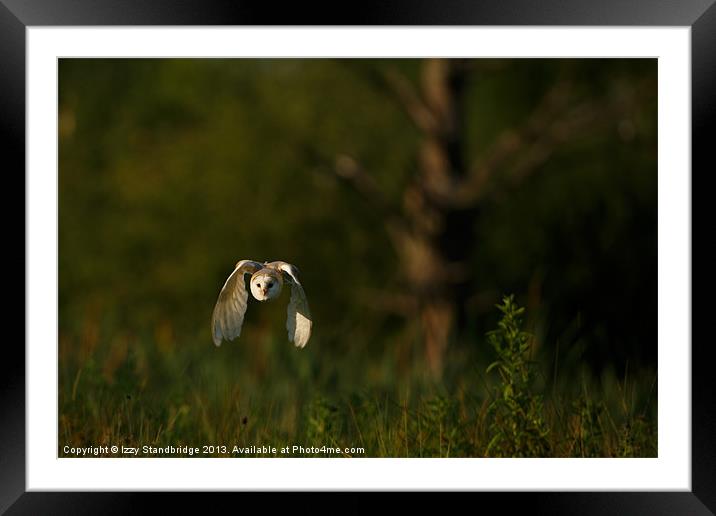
pixel 269 284
pixel 258 285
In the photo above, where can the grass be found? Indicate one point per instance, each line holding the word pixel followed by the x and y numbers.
pixel 158 390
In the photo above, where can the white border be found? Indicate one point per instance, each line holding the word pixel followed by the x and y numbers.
pixel 671 471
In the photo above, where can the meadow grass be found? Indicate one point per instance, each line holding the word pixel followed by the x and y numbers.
pixel 158 390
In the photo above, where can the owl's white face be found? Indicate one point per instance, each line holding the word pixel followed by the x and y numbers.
pixel 265 287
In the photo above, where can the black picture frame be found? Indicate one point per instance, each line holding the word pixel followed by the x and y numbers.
pixel 17 15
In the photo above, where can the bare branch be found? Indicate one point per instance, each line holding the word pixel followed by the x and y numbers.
pixel 410 100
pixel 512 141
pixel 520 152
pixel 575 121
pixel 351 173
pixel 349 170
pixel 399 89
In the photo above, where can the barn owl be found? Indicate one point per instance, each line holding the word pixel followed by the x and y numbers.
pixel 266 282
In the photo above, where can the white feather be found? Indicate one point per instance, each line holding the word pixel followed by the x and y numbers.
pixel 228 316
pixel 298 320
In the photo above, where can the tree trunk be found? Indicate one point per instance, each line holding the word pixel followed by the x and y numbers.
pixel 434 248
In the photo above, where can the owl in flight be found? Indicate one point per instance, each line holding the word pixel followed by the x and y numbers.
pixel 266 282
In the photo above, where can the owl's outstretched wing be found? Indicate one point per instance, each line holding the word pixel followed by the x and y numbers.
pixel 298 322
pixel 230 308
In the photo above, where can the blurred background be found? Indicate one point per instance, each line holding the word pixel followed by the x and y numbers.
pixel 412 194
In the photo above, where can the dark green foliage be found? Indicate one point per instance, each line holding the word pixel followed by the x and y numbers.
pixel 518 427
pixel 588 433
pixel 123 391
pixel 323 422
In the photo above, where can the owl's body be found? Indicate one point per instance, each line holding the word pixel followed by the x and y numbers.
pixel 267 280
